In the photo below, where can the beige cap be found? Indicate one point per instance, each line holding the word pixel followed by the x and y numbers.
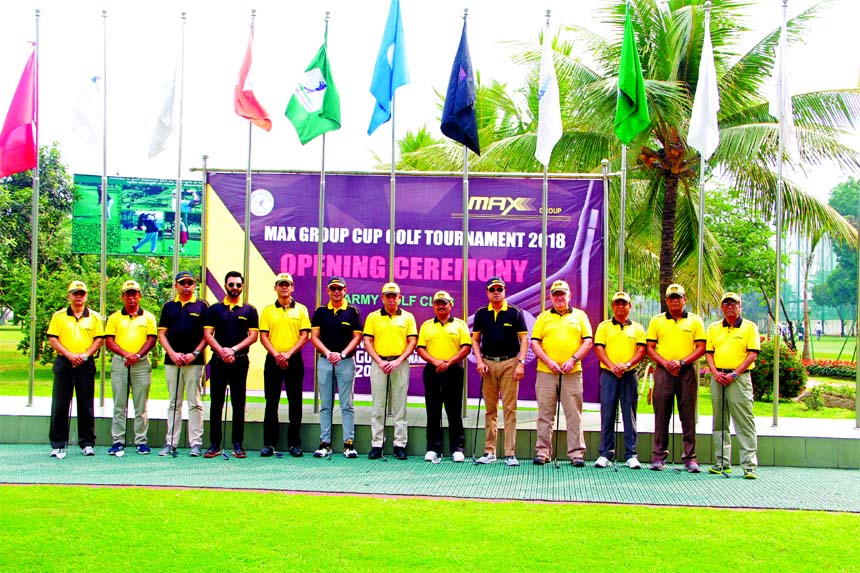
pixel 675 288
pixel 442 295
pixel 130 285
pixel 390 288
pixel 77 285
pixel 559 286
pixel 621 295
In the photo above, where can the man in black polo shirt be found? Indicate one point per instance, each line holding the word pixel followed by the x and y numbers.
pixel 500 342
pixel 230 328
pixel 336 333
pixel 180 332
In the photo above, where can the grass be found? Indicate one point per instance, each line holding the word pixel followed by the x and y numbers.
pixel 49 528
pixel 831 348
pixel 14 375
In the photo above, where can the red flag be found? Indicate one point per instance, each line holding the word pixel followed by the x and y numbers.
pixel 246 103
pixel 18 138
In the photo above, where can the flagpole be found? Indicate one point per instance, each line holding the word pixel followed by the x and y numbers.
pixel 779 187
pixel 700 267
pixel 604 166
pixel 622 222
pixel 392 184
pixel 247 251
pixel 320 234
pixel 465 278
pixel 104 210
pixel 177 219
pixel 203 223
pixel 34 232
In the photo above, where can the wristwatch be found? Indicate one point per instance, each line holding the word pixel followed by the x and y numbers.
pixel 734 375
pixel 196 353
pixel 574 358
pixel 342 355
pixel 629 366
pixel 681 362
pixel 521 361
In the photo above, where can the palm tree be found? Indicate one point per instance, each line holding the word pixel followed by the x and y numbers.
pixel 663 181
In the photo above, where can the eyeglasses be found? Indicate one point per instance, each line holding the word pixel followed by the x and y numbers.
pixel 234 285
pixel 496 289
pixel 730 303
pixel 285 284
pixel 335 288
pixel 185 283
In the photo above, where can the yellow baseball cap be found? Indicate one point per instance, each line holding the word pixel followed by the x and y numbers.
pixel 730 296
pixel 390 288
pixel 77 285
pixel 675 288
pixel 442 295
pixel 621 295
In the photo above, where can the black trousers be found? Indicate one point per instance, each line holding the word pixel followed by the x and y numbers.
pixel 444 389
pixel 81 382
pixel 275 378
pixel 235 376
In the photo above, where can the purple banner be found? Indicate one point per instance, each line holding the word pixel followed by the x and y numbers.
pixel 504 240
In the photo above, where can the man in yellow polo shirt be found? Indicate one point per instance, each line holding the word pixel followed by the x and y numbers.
pixel 76 334
pixel 675 340
pixel 619 344
pixel 390 336
pixel 443 342
pixel 130 334
pixel 732 346
pixel 284 328
pixel 561 338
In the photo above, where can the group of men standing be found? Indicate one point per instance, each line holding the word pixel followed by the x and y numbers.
pixel 561 338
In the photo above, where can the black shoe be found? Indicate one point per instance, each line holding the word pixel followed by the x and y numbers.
pixel 400 453
pixel 374 454
pixel 539 461
pixel 296 451
pixel 267 452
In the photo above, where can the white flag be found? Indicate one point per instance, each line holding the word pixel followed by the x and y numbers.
pixel 704 133
pixel 549 112
pixel 87 123
pixel 164 125
pixel 780 102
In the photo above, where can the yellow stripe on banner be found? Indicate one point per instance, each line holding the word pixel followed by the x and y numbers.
pixel 226 240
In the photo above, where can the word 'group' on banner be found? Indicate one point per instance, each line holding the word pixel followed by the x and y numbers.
pixel 141 216
pixel 504 238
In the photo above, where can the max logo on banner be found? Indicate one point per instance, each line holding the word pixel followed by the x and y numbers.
pixel 503 204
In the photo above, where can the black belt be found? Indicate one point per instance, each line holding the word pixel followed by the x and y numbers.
pixel 498 358
pixel 389 358
pixel 728 371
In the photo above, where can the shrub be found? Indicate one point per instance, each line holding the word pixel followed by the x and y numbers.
pixel 792 374
pixel 831 368
pixel 813 401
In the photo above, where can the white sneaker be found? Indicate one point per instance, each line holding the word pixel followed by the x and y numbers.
pixel 432 456
pixel 601 462
pixel 486 459
pixel 88 451
pixel 512 461
pixel 633 463
pixel 458 456
pixel 323 451
pixel 58 453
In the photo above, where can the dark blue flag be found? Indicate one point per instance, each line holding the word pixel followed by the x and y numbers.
pixel 458 115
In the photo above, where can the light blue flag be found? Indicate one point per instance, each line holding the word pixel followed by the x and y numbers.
pixel 390 72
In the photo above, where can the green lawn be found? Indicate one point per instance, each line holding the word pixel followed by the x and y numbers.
pixel 831 348
pixel 14 375
pixel 45 528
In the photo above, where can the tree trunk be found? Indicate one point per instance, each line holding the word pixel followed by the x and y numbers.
pixel 667 238
pixel 807 343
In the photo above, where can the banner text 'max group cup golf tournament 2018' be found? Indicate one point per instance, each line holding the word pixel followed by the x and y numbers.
pixel 140 216
pixel 504 240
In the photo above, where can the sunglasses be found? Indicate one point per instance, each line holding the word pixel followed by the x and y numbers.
pixel 335 288
pixel 79 293
pixel 185 283
pixel 285 284
pixel 496 289
pixel 234 285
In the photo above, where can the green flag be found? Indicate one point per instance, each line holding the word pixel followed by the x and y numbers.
pixel 631 112
pixel 314 108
